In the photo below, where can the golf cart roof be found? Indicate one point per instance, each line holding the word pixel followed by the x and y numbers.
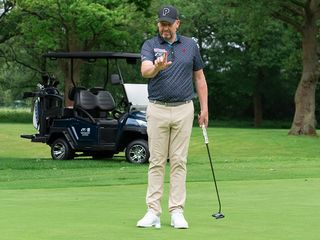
pixel 92 55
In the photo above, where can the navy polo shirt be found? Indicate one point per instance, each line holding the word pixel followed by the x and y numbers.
pixel 174 84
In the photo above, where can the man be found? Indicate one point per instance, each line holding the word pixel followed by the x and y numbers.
pixel 170 62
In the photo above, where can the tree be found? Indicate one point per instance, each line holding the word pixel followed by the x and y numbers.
pixel 303 16
pixel 74 25
pixel 253 52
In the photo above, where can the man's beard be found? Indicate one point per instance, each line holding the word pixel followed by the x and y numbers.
pixel 167 35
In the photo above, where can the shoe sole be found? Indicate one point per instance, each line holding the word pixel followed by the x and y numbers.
pixel 149 226
pixel 179 227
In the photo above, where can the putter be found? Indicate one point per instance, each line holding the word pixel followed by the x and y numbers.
pixel 219 214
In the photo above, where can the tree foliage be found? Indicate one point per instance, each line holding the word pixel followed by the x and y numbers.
pixel 303 16
pixel 255 51
pixel 71 25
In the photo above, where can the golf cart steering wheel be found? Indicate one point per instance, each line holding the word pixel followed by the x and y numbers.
pixel 117 114
pixel 123 103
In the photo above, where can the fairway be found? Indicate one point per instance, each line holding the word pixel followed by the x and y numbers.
pixel 269 186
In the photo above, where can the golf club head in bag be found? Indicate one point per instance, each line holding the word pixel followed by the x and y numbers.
pixel 219 214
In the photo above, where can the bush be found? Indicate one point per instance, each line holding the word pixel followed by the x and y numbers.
pixel 18 115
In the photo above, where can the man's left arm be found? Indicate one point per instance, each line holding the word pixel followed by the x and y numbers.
pixel 202 91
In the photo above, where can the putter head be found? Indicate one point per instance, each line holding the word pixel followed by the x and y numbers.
pixel 218 215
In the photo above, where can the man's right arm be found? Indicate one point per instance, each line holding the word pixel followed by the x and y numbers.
pixel 150 69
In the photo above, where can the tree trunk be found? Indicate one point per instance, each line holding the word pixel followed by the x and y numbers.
pixel 73 45
pixel 257 109
pixel 257 98
pixel 304 122
pixel 68 79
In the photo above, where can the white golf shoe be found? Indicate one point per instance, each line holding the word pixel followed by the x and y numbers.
pixel 178 220
pixel 149 220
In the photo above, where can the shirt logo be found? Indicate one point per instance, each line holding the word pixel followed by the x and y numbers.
pixel 165 11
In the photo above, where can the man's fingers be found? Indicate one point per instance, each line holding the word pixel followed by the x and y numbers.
pixel 162 62
pixel 165 57
pixel 202 120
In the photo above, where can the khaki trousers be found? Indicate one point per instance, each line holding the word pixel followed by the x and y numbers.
pixel 169 130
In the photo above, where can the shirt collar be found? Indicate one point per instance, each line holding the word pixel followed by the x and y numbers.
pixel 162 41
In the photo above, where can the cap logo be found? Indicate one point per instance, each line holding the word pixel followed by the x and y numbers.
pixel 165 11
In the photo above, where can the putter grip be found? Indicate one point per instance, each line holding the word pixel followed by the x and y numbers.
pixel 205 135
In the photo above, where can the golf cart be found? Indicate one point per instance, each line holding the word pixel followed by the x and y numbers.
pixel 94 126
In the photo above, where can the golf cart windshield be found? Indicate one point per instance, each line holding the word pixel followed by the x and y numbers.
pixel 137 95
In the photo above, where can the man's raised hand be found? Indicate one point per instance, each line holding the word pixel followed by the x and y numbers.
pixel 162 62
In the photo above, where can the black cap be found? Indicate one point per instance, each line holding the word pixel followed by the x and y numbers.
pixel 168 13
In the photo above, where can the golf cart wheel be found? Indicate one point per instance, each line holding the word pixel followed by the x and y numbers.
pixel 61 150
pixel 137 152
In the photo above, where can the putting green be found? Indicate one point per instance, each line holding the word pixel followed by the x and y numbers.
pixel 259 210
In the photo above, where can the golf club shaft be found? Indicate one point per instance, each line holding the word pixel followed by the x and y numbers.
pixel 206 140
pixel 214 178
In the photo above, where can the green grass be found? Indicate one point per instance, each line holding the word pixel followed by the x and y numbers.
pixel 272 209
pixel 269 185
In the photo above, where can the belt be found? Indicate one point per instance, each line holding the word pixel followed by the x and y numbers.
pixel 169 104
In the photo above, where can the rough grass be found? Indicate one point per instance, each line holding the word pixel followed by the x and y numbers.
pixel 15 115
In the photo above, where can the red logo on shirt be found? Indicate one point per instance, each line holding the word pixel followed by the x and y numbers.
pixel 184 50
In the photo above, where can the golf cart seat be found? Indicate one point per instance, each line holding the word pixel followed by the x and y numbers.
pixel 96 90
pixel 73 90
pixel 94 107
